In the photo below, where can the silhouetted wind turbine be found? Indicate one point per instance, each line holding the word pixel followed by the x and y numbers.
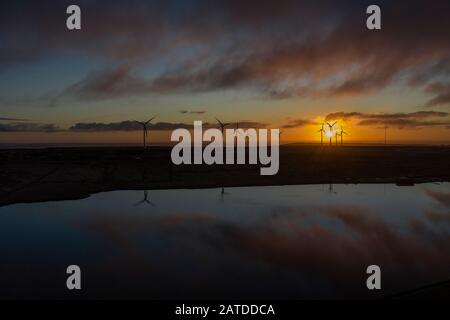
pixel 237 126
pixel 222 128
pixel 321 133
pixel 330 126
pixel 222 125
pixel 145 129
pixel 279 135
pixel 342 134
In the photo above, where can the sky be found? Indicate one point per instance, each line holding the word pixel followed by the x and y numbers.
pixel 266 64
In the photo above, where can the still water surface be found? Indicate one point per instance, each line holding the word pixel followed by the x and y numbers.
pixel 280 242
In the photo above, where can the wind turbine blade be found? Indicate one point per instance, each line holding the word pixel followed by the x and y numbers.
pixel 220 122
pixel 150 119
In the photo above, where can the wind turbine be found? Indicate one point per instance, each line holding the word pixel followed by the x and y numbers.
pixel 237 127
pixel 330 126
pixel 279 136
pixel 222 128
pixel 145 129
pixel 342 134
pixel 226 124
pixel 336 137
pixel 223 125
pixel 321 134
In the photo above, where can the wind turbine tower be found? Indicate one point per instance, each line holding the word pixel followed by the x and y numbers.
pixel 321 134
pixel 145 129
pixel 330 126
pixel 223 125
pixel 342 135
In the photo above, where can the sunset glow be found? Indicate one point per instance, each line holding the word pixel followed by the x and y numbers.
pixel 87 85
pixel 224 159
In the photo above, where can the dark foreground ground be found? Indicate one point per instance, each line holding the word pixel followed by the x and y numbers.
pixel 71 173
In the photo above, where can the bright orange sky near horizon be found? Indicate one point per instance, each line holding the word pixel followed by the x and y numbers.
pixel 307 134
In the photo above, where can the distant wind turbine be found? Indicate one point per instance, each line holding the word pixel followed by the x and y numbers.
pixel 321 134
pixel 237 126
pixel 222 125
pixel 342 135
pixel 330 126
pixel 279 136
pixel 145 129
pixel 222 128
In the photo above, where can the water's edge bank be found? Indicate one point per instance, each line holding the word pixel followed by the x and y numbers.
pixel 76 173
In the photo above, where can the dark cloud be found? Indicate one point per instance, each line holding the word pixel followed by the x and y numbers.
pixel 192 111
pixel 410 115
pixel 126 126
pixel 285 49
pixel 343 115
pixel 107 84
pixel 403 123
pixel 29 127
pixel 163 126
pixel 356 57
pixel 442 92
pixel 12 119
pixel 117 30
pixel 397 120
pixel 159 126
pixel 113 126
pixel 297 123
pixel 246 124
